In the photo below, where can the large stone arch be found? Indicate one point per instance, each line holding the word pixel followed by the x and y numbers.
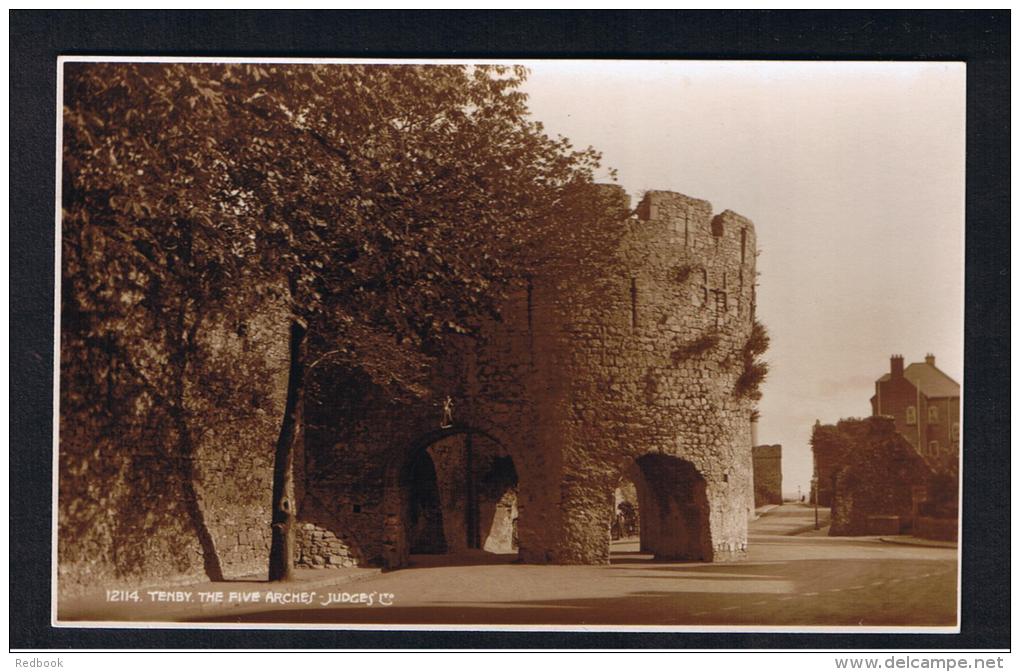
pixel 673 505
pixel 476 485
pixel 677 513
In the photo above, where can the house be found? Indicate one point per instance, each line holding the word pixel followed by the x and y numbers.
pixel 925 405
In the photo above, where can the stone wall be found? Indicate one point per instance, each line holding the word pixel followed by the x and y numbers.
pixel 768 475
pixel 153 497
pixel 880 469
pixel 590 370
pixel 829 447
pixel 939 529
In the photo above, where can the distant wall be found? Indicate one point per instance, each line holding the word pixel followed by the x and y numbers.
pixel 829 448
pixel 768 475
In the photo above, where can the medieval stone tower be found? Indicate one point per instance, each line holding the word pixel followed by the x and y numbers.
pixel 594 376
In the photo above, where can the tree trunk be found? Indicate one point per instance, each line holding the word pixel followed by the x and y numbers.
pixel 281 553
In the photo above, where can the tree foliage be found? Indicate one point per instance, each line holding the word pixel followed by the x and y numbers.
pixel 754 369
pixel 396 200
pixel 383 208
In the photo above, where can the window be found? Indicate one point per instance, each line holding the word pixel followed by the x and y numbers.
pixel 933 448
pixel 633 303
pixel 721 306
pixel 681 220
pixel 531 303
pixel 911 415
pixel 955 432
pixel 704 289
pixel 933 414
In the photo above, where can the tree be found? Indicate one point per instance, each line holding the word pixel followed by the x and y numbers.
pixel 389 206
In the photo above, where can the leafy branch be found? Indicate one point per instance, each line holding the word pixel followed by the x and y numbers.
pixel 755 370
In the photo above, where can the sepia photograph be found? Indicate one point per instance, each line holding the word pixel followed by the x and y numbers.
pixel 564 344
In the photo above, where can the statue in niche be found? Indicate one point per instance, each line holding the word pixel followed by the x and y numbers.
pixel 447 414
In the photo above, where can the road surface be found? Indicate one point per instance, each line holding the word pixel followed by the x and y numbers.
pixel 793 577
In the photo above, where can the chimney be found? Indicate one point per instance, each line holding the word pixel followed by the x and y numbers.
pixel 929 359
pixel 896 366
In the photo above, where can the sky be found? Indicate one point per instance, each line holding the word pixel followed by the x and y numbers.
pixel 853 174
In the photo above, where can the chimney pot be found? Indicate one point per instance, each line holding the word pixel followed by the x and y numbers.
pixel 929 359
pixel 896 366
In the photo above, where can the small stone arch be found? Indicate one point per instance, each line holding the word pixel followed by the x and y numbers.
pixel 672 505
pixel 476 511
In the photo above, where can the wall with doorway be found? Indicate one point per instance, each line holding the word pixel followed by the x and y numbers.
pixel 627 510
pixel 643 358
pixel 476 485
pixel 674 509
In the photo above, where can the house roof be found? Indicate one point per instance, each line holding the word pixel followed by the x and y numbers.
pixel 929 380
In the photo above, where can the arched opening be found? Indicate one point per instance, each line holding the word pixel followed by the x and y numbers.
pixel 456 498
pixel 625 529
pixel 424 515
pixel 672 510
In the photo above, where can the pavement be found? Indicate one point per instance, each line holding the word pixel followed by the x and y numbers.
pixel 908 540
pixel 788 519
pixel 764 510
pixel 790 578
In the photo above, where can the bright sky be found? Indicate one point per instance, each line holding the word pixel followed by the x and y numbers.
pixel 853 174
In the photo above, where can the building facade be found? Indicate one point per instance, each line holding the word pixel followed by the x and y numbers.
pixel 925 405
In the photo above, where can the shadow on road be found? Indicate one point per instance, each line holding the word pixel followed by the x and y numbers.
pixel 469 558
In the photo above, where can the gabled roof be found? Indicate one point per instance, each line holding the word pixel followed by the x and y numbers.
pixel 929 380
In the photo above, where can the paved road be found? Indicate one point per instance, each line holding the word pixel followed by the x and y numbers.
pixel 791 578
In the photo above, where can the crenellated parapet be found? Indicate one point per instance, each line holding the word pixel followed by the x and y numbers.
pixel 717 250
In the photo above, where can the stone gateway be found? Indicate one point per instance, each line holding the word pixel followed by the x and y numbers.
pixel 591 378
